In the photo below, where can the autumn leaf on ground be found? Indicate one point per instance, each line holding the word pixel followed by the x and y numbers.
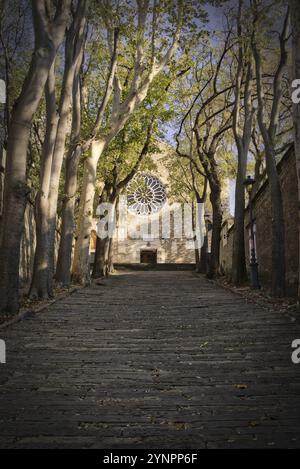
pixel 253 423
pixel 204 345
pixel 241 386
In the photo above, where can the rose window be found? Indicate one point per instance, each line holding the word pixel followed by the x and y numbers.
pixel 146 195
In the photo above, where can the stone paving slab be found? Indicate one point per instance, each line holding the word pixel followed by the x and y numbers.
pixel 154 359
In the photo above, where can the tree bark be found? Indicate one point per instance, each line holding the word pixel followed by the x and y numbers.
pixel 47 213
pixel 194 223
pixel 101 262
pixel 239 272
pixel 101 267
pixel 242 135
pixel 203 261
pixel 64 259
pixel 110 257
pixel 48 38
pixel 200 255
pixel 269 134
pixel 74 45
pixel 40 285
pixel 81 263
pixel 217 217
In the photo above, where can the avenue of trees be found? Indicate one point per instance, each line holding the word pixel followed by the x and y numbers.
pixel 94 85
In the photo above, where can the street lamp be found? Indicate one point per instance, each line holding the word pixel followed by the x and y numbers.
pixel 248 183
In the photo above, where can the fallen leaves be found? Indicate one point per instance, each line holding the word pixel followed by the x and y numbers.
pixel 241 386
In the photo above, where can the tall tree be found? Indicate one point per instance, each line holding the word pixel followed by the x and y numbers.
pixel 42 282
pixel 148 64
pixel 40 286
pixel 268 124
pixel 110 194
pixel 64 258
pixel 188 185
pixel 49 30
pixel 212 119
pixel 242 130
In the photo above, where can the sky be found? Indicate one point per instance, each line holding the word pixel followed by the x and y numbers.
pixel 215 16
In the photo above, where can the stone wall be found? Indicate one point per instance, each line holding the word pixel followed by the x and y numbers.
pixel 262 216
pixel 170 248
pixel 169 251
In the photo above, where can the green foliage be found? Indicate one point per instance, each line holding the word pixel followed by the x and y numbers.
pixel 125 149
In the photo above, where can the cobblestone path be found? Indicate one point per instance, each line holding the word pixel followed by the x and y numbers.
pixel 151 360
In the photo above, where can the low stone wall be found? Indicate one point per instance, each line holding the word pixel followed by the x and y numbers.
pixel 169 251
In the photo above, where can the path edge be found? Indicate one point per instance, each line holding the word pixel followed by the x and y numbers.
pixel 26 313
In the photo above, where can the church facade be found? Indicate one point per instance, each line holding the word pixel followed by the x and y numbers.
pixel 150 229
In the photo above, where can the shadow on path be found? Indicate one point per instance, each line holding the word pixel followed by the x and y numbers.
pixel 151 359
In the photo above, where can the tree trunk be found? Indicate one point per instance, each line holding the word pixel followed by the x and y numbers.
pixel 196 238
pixel 111 241
pixel 197 261
pixel 101 266
pixel 203 264
pixel 40 285
pixel 101 262
pixel 50 205
pixel 110 257
pixel 239 272
pixel 49 35
pixel 278 230
pixel 295 20
pixel 269 134
pixel 74 45
pixel 217 216
pixel 81 265
pixel 15 191
pixel 73 51
pixel 64 260
pixel 242 130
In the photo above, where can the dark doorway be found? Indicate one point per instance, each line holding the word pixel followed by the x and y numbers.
pixel 149 256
